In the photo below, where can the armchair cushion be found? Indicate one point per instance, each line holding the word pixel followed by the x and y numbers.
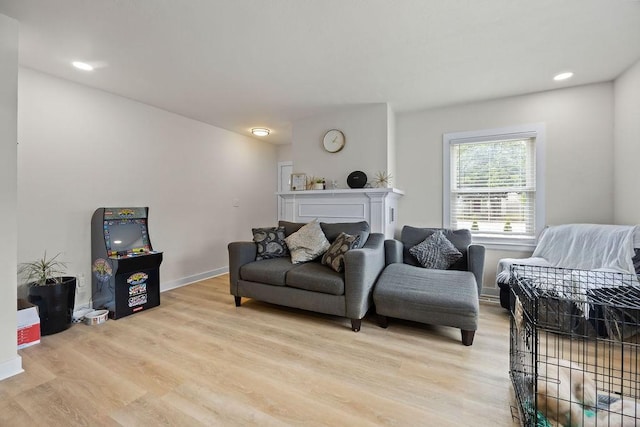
pixel 411 236
pixel 436 251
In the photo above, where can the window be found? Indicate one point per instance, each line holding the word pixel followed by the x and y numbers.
pixel 494 184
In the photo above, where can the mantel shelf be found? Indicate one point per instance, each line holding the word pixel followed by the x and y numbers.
pixel 377 206
pixel 330 191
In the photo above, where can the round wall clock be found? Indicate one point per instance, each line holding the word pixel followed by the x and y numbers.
pixel 333 141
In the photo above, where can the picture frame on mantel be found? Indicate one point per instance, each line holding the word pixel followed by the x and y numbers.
pixel 298 181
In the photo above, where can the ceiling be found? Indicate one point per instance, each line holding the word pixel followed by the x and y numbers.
pixel 238 64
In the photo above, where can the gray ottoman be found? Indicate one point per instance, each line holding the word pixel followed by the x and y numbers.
pixel 435 297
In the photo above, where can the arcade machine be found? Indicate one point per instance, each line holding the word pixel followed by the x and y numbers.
pixel 126 269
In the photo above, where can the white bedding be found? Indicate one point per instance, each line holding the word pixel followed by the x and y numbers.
pixel 583 246
pixel 588 247
pixel 595 247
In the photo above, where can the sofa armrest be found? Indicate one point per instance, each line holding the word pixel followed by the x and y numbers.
pixel 393 251
pixel 475 257
pixel 361 270
pixel 240 253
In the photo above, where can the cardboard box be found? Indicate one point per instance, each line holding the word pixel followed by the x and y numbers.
pixel 28 324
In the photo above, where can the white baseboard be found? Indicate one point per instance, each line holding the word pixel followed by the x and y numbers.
pixel 167 286
pixel 11 367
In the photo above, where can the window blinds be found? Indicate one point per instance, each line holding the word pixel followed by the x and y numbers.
pixel 493 186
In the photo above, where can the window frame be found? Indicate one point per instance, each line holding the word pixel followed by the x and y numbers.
pixel 533 130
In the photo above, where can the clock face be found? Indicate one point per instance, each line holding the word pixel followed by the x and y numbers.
pixel 333 141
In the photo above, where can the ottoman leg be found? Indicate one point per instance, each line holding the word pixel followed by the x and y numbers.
pixel 467 337
pixel 238 301
pixel 355 324
pixel 383 321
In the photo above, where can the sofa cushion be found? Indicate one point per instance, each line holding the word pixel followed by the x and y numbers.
pixel 411 236
pixel 316 277
pixel 271 271
pixel 333 230
pixel 334 257
pixel 436 252
pixel 308 243
pixel 291 227
pixel 270 242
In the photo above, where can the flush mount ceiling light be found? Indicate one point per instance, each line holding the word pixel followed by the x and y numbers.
pixel 563 76
pixel 82 66
pixel 260 131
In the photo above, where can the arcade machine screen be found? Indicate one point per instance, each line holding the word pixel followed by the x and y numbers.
pixel 126 236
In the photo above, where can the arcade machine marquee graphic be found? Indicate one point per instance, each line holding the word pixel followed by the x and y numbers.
pixel 126 269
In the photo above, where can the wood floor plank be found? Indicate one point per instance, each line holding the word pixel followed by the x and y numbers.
pixel 199 360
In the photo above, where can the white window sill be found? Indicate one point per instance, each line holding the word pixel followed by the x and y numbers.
pixel 506 243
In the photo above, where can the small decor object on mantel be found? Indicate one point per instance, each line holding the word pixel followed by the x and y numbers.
pixel 382 179
pixel 318 184
pixel 333 141
pixel 298 182
pixel 357 179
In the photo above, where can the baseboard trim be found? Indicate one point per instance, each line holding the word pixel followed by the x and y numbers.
pixel 11 367
pixel 167 286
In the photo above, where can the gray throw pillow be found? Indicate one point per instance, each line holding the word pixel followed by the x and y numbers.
pixel 334 257
pixel 436 251
pixel 307 243
pixel 270 242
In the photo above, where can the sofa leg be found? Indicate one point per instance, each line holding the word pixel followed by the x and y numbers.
pixel 467 337
pixel 383 321
pixel 238 301
pixel 355 324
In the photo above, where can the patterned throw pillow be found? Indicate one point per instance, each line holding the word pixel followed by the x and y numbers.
pixel 307 243
pixel 436 251
pixel 270 242
pixel 334 257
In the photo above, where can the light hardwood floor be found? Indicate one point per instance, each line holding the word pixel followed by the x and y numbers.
pixel 199 360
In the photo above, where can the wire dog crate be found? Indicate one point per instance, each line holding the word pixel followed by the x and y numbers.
pixel 574 344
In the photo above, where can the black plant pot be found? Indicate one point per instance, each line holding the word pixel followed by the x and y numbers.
pixel 55 304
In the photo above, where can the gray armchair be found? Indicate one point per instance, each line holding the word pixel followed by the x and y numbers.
pixel 406 290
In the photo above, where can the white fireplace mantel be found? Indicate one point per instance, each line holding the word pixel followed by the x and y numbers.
pixel 377 206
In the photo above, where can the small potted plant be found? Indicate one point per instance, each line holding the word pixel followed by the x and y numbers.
pixel 316 183
pixel 51 291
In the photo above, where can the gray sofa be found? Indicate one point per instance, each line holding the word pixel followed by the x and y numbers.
pixel 311 285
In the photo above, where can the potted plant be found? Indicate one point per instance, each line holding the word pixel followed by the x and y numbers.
pixel 51 291
pixel 315 183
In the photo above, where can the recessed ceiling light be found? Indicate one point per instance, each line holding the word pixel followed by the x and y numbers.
pixel 563 76
pixel 260 131
pixel 82 66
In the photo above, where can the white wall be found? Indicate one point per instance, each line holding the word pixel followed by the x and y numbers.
pixel 81 149
pixel 10 362
pixel 284 153
pixel 391 144
pixel 627 146
pixel 365 130
pixel 579 155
